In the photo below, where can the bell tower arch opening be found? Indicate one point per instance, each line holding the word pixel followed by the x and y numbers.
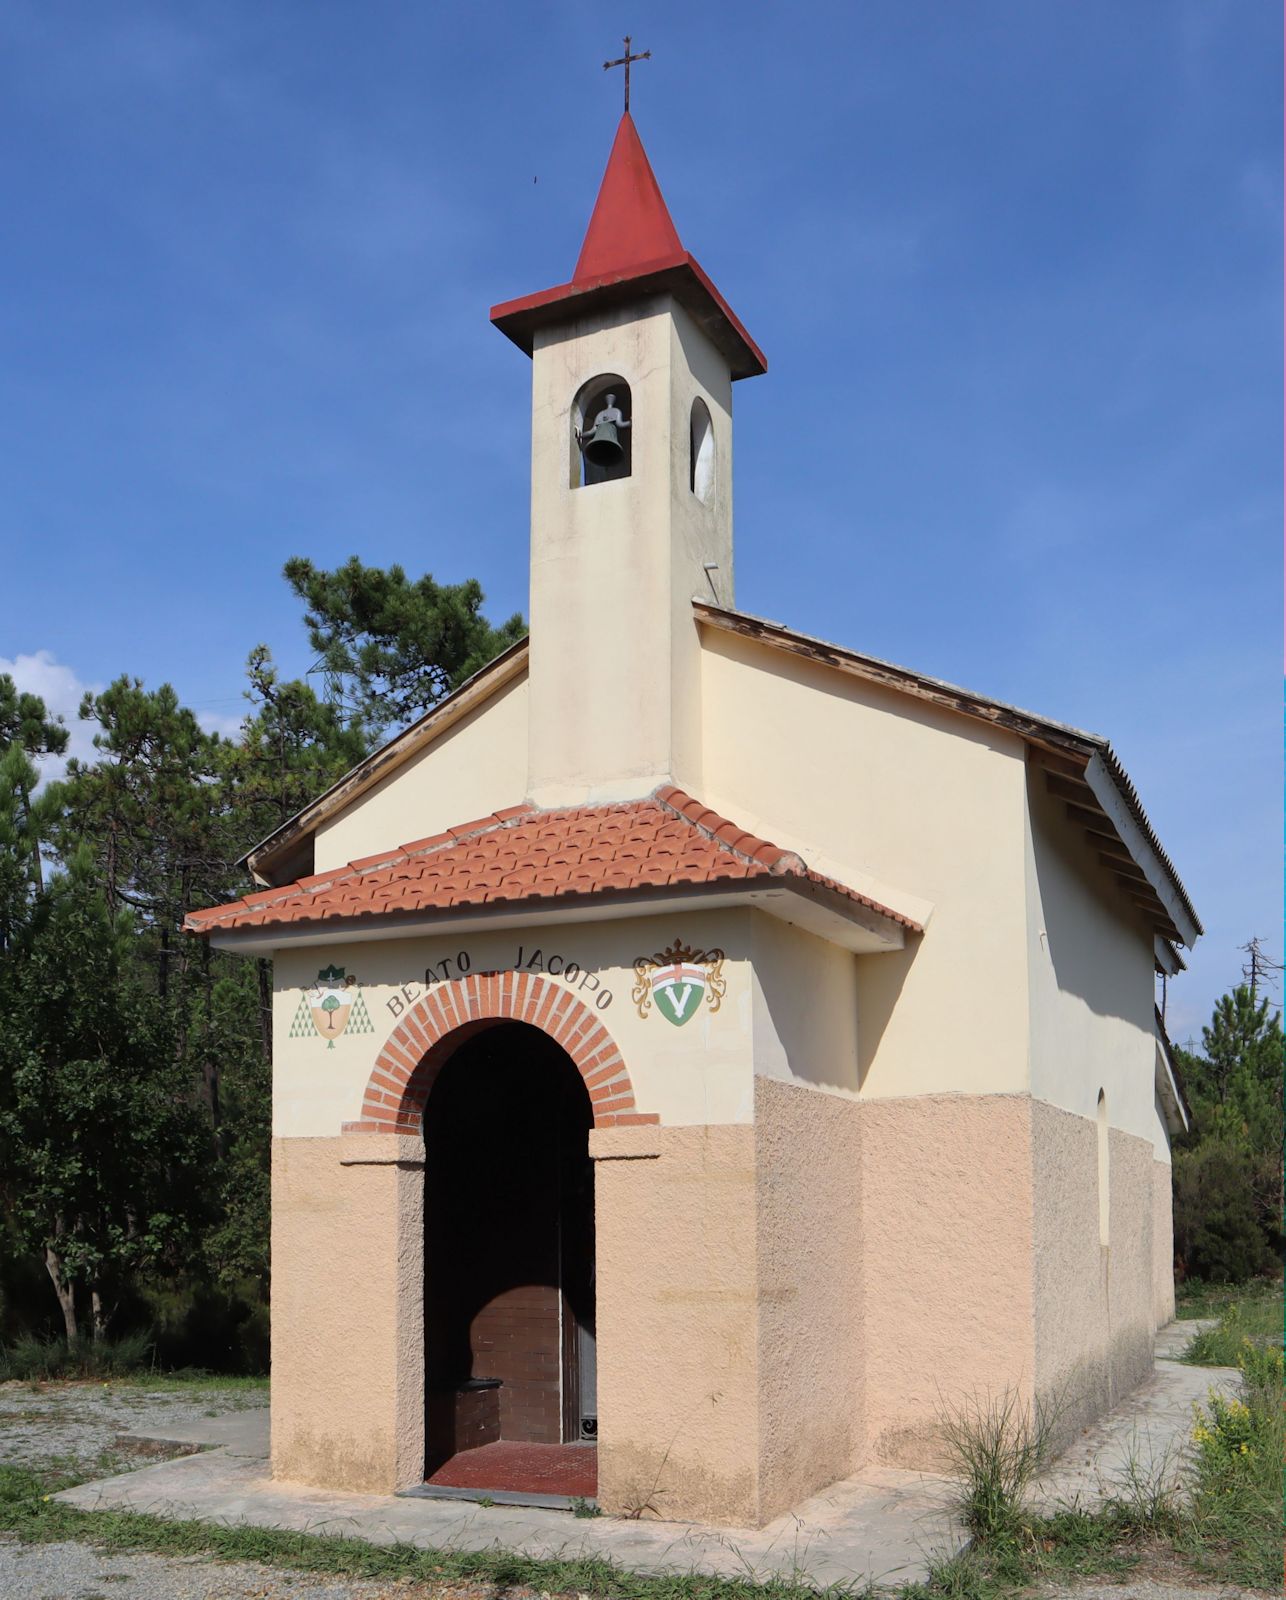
pixel 508 1255
pixel 602 431
pixel 701 457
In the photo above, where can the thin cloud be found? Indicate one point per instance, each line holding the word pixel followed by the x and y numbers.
pixel 62 691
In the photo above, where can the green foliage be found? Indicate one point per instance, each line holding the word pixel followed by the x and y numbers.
pixel 25 722
pixel 1228 1169
pixel 1239 1446
pixel 404 644
pixel 1253 1323
pixel 135 1061
pixel 99 1140
pixel 1218 1230
pixel 997 1444
pixel 43 1360
pixel 292 748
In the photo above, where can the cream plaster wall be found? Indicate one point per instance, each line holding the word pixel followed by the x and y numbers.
pixel 348 1398
pixel 805 1006
pixel 614 566
pixel 913 805
pixel 812 1425
pixel 695 1074
pixel 1090 973
pixel 476 767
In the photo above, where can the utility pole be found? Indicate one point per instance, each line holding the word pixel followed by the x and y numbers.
pixel 1258 970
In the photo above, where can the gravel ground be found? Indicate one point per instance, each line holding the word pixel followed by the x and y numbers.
pixel 1138 1589
pixel 79 1427
pixel 79 1572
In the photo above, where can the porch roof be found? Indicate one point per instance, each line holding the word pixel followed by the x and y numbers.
pixel 637 851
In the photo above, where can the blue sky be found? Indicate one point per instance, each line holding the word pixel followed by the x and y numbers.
pixel 1016 268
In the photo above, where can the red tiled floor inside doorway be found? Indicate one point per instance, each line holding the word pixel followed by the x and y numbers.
pixel 568 1469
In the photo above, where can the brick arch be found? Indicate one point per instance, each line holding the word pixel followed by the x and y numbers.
pixel 416 1050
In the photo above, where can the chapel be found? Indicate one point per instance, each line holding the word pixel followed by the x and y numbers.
pixel 700 1050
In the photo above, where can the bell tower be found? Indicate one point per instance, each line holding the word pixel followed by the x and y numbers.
pixel 633 364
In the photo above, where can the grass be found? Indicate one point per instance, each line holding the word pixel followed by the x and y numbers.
pixel 28 1513
pixel 1197 1299
pixel 42 1360
pixel 122 1362
pixel 1251 1319
pixel 1225 1527
pixel 997 1444
pixel 1234 1524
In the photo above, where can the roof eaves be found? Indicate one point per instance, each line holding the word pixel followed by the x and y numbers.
pixel 390 755
pixel 1172 1084
pixel 1026 724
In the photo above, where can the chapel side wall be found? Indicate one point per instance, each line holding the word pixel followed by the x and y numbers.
pixel 946 1228
pixel 808 1162
pixel 1093 1300
pixel 912 804
pixel 1091 986
pixel 1162 1242
pixel 1090 977
pixel 477 766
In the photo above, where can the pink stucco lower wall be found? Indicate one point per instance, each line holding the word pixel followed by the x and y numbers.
pixel 812 1424
pixel 1162 1244
pixel 1094 1302
pixel 347 1312
pixel 947 1249
pixel 779 1303
pixel 677 1290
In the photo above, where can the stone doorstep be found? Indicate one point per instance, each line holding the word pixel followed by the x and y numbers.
pixel 499 1497
pixel 883 1525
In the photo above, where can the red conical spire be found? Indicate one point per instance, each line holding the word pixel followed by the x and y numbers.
pixel 632 251
pixel 630 227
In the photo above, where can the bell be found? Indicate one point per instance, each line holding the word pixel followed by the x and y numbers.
pixel 602 446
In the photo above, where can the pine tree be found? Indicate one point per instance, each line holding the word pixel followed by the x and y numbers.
pixel 404 644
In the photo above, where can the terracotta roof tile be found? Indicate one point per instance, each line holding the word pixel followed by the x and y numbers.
pixel 524 855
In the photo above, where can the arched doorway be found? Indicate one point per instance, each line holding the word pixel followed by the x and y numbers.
pixel 509 1268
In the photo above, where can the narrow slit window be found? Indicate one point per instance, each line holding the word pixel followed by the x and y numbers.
pixel 701 461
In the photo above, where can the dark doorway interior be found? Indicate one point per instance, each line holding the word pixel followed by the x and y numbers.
pixel 509 1247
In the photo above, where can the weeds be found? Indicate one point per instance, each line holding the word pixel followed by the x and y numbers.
pixel 28 1512
pixel 42 1360
pixel 1254 1320
pixel 1197 1299
pixel 1236 1510
pixel 997 1445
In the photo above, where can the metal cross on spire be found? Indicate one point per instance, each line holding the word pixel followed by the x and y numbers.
pixel 624 61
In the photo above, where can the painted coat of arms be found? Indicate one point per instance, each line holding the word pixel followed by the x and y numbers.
pixel 331 1006
pixel 676 980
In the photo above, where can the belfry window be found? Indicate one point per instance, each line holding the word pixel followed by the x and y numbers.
pixel 602 431
pixel 701 459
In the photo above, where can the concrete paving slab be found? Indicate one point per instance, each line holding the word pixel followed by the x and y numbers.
pixel 1144 1440
pixel 243 1433
pixel 883 1526
pixel 1175 1337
